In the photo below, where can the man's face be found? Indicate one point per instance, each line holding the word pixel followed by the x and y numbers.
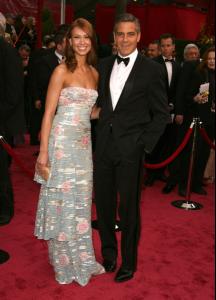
pixel 153 51
pixel 10 20
pixel 192 54
pixel 167 47
pixel 24 54
pixel 126 38
pixel 60 48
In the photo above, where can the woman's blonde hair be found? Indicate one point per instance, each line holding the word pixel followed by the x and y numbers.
pixel 87 27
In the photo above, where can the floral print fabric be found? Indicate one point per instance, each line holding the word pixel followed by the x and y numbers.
pixel 64 208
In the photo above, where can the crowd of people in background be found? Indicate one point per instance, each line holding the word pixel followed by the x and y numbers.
pixel 183 80
pixel 21 30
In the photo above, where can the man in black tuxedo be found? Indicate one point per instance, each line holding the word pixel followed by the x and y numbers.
pixel 11 120
pixel 134 114
pixel 166 145
pixel 43 71
pixel 32 87
pixel 185 111
pixel 171 66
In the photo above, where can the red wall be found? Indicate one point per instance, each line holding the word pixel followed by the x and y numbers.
pixel 184 23
pixel 24 7
pixel 30 8
pixel 34 8
pixel 56 10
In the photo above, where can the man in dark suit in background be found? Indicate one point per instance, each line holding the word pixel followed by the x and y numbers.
pixel 184 117
pixel 167 143
pixel 11 120
pixel 184 112
pixel 43 71
pixel 134 114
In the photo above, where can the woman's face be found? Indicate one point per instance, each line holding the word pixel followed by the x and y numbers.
pixel 81 42
pixel 211 60
pixel 24 20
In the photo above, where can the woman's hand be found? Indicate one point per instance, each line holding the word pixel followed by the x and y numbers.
pixel 42 162
pixel 95 112
pixel 201 98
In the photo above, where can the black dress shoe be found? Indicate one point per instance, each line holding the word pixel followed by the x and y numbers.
pixel 5 219
pixel 168 188
pixel 109 266
pixel 149 181
pixel 162 178
pixel 199 191
pixel 124 275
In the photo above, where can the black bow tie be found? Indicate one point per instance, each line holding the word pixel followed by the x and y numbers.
pixel 124 60
pixel 169 60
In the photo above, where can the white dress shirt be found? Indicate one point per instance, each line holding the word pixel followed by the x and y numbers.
pixel 119 76
pixel 169 70
pixel 60 57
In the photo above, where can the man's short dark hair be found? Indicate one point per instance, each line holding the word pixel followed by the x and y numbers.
pixel 166 36
pixel 124 18
pixel 25 47
pixel 10 16
pixel 155 42
pixel 47 39
pixel 60 36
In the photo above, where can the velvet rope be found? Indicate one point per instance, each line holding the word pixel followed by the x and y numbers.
pixel 10 151
pixel 206 138
pixel 175 154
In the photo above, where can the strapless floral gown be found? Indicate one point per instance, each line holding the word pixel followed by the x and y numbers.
pixel 64 208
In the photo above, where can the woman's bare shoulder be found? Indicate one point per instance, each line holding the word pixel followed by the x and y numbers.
pixel 60 72
pixel 62 68
pixel 59 75
pixel 95 72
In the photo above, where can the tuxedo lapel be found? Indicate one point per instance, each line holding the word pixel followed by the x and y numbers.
pixel 162 62
pixel 128 88
pixel 174 73
pixel 107 84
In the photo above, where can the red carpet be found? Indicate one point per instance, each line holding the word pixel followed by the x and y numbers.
pixel 176 252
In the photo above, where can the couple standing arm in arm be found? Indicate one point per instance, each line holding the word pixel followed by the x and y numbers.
pixel 133 113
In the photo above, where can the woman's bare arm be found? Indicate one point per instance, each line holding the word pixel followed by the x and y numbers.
pixel 54 89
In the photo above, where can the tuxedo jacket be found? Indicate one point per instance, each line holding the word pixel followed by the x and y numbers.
pixel 11 90
pixel 203 111
pixel 184 104
pixel 45 68
pixel 172 88
pixel 141 114
pixel 34 60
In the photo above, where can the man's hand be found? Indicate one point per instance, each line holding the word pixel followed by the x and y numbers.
pixel 95 112
pixel 179 119
pixel 38 104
